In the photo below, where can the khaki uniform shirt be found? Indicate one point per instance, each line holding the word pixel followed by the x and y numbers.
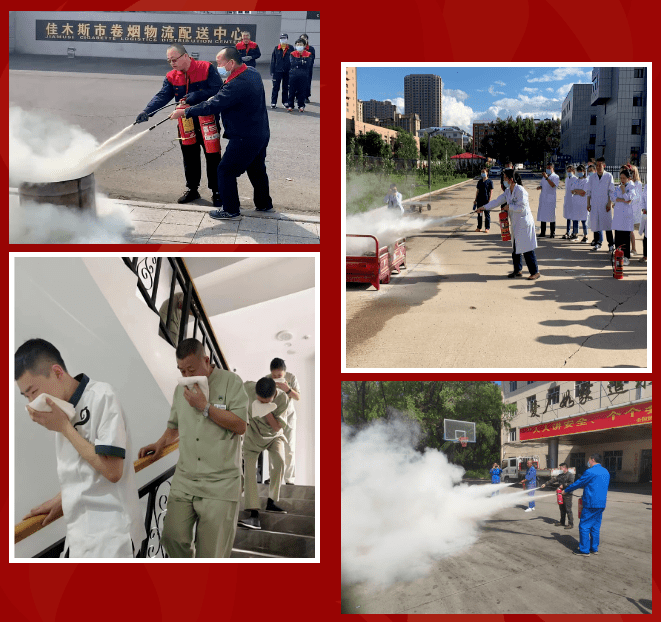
pixel 209 463
pixel 293 384
pixel 260 434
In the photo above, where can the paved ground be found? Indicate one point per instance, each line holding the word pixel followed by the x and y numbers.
pixel 454 307
pixel 103 96
pixel 522 564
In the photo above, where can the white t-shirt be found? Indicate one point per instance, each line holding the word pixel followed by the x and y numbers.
pixel 103 518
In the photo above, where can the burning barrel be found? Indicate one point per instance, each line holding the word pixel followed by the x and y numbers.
pixel 76 193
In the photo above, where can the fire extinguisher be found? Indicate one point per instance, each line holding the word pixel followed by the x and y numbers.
pixel 210 134
pixel 618 256
pixel 504 226
pixel 580 506
pixel 523 484
pixel 186 128
pixel 560 500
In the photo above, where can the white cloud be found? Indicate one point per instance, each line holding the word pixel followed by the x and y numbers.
pixel 456 93
pixel 528 89
pixel 549 89
pixel 562 73
pixel 493 91
pixel 563 90
pixel 500 83
pixel 455 112
pixel 398 101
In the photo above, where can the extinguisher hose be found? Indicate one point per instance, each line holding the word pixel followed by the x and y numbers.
pixel 163 121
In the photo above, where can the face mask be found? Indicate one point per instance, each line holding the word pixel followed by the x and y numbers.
pixel 283 41
pixel 223 72
pixel 580 174
pixel 548 171
pixel 569 175
pixel 259 409
pixel 299 48
pixel 484 175
pixel 590 174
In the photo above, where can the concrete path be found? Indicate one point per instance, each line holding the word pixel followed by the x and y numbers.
pixel 454 307
pixel 523 564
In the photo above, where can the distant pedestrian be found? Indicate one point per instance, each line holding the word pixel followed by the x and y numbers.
pixel 495 473
pixel 595 482
pixel 601 192
pixel 623 213
pixel 546 209
pixel 563 480
pixel 482 197
pixel 394 199
pixel 566 205
pixel 579 201
pixel 280 63
pixel 636 204
pixel 531 484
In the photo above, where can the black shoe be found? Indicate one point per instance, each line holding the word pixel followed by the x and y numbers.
pixel 250 523
pixel 289 483
pixel 266 481
pixel 594 552
pixel 190 195
pixel 307 100
pixel 569 526
pixel 552 235
pixel 272 507
pixel 264 209
pixel 272 105
pixel 558 524
pixel 577 552
pixel 219 214
pixel 512 275
pixel 217 201
pixel 542 235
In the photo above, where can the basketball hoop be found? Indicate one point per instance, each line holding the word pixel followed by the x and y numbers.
pixel 464 441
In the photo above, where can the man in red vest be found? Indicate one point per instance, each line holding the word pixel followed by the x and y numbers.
pixel 248 49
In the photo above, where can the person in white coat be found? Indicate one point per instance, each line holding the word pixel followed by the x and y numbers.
pixel 546 209
pixel 579 201
pixel 643 224
pixel 623 213
pixel 394 199
pixel 524 240
pixel 601 192
pixel 566 205
pixel 637 203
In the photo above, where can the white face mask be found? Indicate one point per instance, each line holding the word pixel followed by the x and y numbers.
pixel 299 48
pixel 259 409
pixel 283 41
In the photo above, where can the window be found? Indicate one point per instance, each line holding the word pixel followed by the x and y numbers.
pixel 639 72
pixel 637 99
pixel 513 434
pixel 554 395
pixel 578 462
pixel 635 126
pixel 581 387
pixel 513 386
pixel 529 402
pixel 595 83
pixel 593 119
pixel 613 460
pixel 530 381
pixel 593 139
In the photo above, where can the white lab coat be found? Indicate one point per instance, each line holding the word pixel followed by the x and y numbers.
pixel 523 224
pixel 623 212
pixel 394 201
pixel 579 204
pixel 643 206
pixel 566 205
pixel 636 204
pixel 600 192
pixel 546 209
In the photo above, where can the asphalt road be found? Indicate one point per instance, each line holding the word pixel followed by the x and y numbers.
pixel 523 564
pixel 454 307
pixel 103 96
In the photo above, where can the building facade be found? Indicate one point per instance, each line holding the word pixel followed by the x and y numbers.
pixel 569 421
pixel 374 109
pixel 456 135
pixel 423 96
pixel 351 94
pixel 578 124
pixel 481 129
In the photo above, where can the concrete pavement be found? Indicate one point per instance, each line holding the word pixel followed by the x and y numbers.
pixel 523 564
pixel 454 307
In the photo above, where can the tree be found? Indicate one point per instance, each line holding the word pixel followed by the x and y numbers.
pixel 405 147
pixel 372 144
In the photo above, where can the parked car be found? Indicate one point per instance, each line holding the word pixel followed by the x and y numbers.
pixel 518 167
pixel 495 170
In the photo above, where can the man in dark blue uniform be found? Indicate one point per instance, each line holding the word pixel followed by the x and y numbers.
pixel 192 81
pixel 242 107
pixel 309 48
pixel 595 482
pixel 248 49
pixel 280 70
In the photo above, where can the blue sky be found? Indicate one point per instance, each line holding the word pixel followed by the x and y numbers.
pixel 481 93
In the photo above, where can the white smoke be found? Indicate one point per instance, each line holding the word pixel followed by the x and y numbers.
pixel 402 510
pixel 39 223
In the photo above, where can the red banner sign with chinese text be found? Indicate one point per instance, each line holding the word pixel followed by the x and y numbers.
pixel 633 414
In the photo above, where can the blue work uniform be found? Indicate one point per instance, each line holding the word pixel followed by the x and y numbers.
pixel 531 483
pixel 298 77
pixel 249 53
pixel 242 108
pixel 280 62
pixel 495 479
pixel 309 48
pixel 595 483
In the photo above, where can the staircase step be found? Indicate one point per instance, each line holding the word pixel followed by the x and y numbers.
pixel 273 543
pixel 242 553
pixel 304 507
pixel 289 491
pixel 285 523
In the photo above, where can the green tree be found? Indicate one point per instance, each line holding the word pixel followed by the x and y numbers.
pixel 405 147
pixel 372 144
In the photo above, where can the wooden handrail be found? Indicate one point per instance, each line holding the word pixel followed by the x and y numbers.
pixel 33 524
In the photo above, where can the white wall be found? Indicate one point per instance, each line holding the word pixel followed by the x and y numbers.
pixel 57 299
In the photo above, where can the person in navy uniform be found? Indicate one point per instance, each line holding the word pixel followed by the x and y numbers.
pixel 248 49
pixel 242 107
pixel 280 70
pixel 192 81
pixel 531 484
pixel 309 48
pixel 299 72
pixel 595 482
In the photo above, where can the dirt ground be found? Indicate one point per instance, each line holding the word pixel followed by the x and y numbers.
pixel 522 564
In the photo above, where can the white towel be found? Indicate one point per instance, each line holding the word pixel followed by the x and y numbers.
pixel 202 381
pixel 259 409
pixel 40 404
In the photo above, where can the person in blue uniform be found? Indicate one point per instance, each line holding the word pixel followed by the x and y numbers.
pixel 299 62
pixel 192 81
pixel 280 70
pixel 242 107
pixel 495 477
pixel 595 484
pixel 248 49
pixel 531 484
pixel 309 48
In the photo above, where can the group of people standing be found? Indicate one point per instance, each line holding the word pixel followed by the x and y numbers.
pixel 292 68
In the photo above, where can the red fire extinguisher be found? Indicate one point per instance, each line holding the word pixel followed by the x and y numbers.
pixel 186 128
pixel 560 500
pixel 580 506
pixel 618 256
pixel 210 134
pixel 504 226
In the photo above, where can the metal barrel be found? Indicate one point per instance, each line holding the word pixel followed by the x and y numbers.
pixel 76 193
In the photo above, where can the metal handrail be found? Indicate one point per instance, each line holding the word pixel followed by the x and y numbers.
pixel 33 524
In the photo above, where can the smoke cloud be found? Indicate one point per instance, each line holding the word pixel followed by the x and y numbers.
pixel 403 510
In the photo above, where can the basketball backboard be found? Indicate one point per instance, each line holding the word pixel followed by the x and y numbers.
pixel 454 430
